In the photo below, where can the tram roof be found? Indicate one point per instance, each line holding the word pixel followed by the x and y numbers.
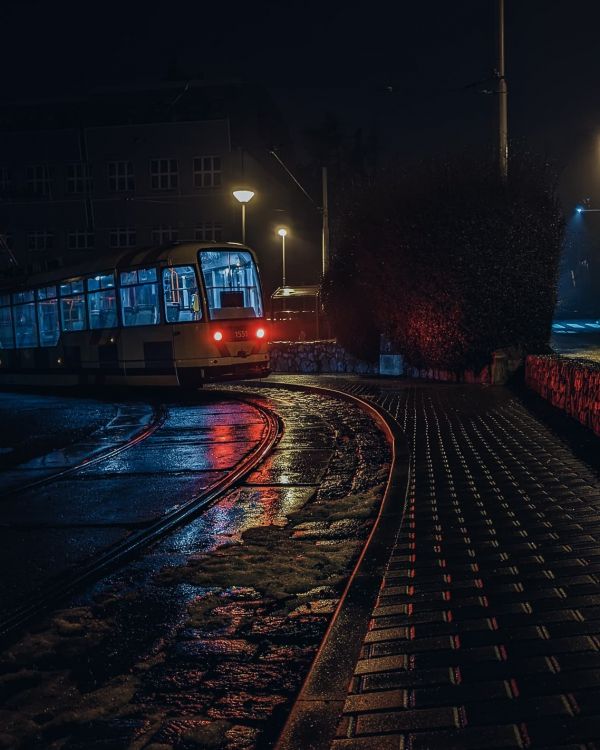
pixel 174 252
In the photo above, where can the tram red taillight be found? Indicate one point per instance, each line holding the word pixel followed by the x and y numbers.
pixel 218 335
pixel 260 333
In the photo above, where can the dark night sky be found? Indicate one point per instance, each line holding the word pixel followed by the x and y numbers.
pixel 331 56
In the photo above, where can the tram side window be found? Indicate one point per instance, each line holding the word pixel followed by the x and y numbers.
pixel 139 297
pixel 102 301
pixel 7 336
pixel 182 300
pixel 26 332
pixel 72 306
pixel 47 311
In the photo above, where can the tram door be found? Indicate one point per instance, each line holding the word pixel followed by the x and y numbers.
pixel 183 311
pixel 145 346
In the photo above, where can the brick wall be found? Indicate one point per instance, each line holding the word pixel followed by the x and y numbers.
pixel 569 384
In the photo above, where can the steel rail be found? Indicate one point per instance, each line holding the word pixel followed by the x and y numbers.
pixel 158 418
pixel 58 590
pixel 317 709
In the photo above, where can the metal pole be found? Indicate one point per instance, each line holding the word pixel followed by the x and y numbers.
pixel 243 223
pixel 325 229
pixel 283 256
pixel 502 99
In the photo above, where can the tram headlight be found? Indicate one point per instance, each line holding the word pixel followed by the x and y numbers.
pixel 218 336
pixel 260 333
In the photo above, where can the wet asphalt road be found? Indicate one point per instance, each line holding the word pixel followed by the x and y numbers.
pixel 208 634
pixel 46 531
pixel 34 424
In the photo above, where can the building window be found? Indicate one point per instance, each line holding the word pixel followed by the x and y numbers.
pixel 79 178
pixel 40 240
pixel 80 239
pixel 122 237
pixel 209 231
pixel 5 180
pixel 164 174
pixel 207 172
pixel 39 179
pixel 120 177
pixel 162 234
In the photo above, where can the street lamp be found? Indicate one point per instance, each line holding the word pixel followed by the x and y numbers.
pixel 243 196
pixel 282 233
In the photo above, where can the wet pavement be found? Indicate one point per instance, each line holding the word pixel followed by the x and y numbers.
pixel 486 630
pixel 47 531
pixel 33 424
pixel 204 640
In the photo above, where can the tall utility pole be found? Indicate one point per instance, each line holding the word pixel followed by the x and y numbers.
pixel 325 229
pixel 502 99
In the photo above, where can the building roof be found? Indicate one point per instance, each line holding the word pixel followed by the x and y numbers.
pixel 306 290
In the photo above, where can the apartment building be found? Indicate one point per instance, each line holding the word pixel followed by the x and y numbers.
pixel 139 167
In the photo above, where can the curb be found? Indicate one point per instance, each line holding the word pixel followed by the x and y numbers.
pixel 313 720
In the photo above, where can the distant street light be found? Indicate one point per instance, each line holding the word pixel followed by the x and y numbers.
pixel 243 196
pixel 282 233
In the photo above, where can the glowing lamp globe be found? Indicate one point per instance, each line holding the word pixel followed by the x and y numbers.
pixel 243 196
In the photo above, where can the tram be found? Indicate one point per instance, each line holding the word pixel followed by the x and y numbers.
pixel 180 314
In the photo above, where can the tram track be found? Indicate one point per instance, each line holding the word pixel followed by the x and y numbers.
pixel 159 414
pixel 318 706
pixel 72 581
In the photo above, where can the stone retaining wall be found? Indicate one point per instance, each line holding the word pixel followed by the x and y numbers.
pixel 329 357
pixel 569 384
pixel 451 376
pixel 316 356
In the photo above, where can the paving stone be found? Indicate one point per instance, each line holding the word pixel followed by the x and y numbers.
pixel 387 634
pixel 494 738
pixel 389 742
pixel 412 646
pixel 488 620
pixel 376 701
pixel 560 683
pixel 460 694
pixel 518 709
pixel 550 731
pixel 412 679
pixel 381 664
pixel 427 718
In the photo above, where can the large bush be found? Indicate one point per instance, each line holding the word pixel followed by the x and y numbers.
pixel 448 261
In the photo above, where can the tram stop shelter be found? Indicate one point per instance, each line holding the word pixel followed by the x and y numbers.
pixel 297 314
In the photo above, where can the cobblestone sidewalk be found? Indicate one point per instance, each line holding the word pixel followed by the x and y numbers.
pixel 486 632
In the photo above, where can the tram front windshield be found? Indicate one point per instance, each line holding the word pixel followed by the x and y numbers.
pixel 232 285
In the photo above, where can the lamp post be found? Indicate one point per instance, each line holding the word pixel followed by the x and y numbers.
pixel 282 233
pixel 243 196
